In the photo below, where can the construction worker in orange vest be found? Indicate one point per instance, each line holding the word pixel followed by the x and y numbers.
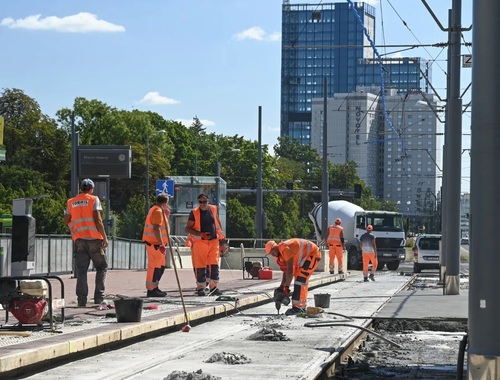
pixel 335 241
pixel 83 217
pixel 297 259
pixel 205 227
pixel 155 236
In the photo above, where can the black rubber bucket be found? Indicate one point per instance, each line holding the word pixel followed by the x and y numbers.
pixel 322 300
pixel 128 309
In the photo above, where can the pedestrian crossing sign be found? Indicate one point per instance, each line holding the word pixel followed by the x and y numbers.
pixel 165 186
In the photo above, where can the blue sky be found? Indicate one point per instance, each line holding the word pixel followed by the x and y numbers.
pixel 216 59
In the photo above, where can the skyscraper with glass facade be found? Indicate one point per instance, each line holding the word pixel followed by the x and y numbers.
pixel 328 41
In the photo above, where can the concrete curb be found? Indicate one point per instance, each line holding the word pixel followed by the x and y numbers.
pixel 25 354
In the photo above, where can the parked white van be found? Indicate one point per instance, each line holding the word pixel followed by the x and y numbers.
pixel 426 252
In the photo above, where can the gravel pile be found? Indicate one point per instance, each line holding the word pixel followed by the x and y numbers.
pixel 228 358
pixel 268 334
pixel 197 375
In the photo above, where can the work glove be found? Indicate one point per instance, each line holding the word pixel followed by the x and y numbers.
pixel 283 289
pixel 162 248
pixel 205 235
pixel 286 300
pixel 286 291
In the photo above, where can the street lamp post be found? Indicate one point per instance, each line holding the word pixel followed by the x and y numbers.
pixel 260 199
pixel 147 168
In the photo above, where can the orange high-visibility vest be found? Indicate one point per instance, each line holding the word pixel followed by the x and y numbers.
pixel 197 222
pixel 82 224
pixel 334 234
pixel 301 250
pixel 148 234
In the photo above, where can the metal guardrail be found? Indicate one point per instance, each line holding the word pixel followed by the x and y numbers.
pixel 54 253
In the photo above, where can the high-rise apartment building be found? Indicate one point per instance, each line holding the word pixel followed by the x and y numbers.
pixel 398 153
pixel 327 41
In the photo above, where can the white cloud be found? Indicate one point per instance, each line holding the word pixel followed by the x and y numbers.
pixel 154 98
pixel 258 34
pixel 82 22
pixel 188 122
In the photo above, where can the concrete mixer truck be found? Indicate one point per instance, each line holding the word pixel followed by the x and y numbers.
pixel 388 229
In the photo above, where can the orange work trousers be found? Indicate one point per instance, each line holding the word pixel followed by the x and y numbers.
pixel 301 279
pixel 156 267
pixel 335 252
pixel 206 254
pixel 367 258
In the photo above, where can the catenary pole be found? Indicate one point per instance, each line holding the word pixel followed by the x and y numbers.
pixel 453 156
pixel 484 309
pixel 325 182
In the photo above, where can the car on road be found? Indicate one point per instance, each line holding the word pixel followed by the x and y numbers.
pixel 426 252
pixel 464 241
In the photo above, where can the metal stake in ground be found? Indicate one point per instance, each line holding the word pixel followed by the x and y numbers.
pixel 187 327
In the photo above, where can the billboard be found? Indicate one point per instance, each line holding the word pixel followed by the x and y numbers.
pixel 108 161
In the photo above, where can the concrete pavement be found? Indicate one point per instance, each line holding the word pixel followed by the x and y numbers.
pixel 89 328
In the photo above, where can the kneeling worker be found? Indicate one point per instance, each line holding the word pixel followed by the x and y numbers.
pixel 297 259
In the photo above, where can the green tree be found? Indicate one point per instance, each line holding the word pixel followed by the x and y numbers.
pixel 32 139
pixel 127 225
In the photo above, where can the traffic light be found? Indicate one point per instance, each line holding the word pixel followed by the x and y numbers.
pixel 357 191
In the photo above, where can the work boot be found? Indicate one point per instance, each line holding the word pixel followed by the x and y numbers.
pixel 366 279
pixel 200 292
pixel 372 277
pixel 294 311
pixel 341 272
pixel 332 272
pixel 156 293
pixel 82 302
pixel 215 292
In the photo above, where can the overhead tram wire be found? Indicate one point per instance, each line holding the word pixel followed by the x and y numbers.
pixel 413 34
pixel 381 71
pixel 382 24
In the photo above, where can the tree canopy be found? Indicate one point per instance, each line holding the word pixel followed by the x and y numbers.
pixel 38 165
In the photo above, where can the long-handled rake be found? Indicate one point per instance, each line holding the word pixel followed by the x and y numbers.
pixel 187 327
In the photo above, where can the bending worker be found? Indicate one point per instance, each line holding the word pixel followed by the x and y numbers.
pixel 205 229
pixel 335 241
pixel 297 259
pixel 155 236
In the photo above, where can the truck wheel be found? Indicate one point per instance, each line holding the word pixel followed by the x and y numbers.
pixel 352 260
pixel 380 265
pixel 393 265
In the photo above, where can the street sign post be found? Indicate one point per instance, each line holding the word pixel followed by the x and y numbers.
pixel 165 186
